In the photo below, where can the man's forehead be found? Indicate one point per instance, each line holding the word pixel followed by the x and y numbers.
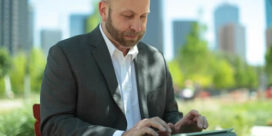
pixel 131 5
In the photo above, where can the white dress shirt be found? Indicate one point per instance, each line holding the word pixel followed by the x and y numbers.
pixel 125 74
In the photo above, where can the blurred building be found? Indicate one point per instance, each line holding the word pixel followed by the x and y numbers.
pixel 224 14
pixel 154 30
pixel 30 40
pixel 49 38
pixel 268 37
pixel 181 30
pixel 232 39
pixel 268 7
pixel 15 31
pixel 77 24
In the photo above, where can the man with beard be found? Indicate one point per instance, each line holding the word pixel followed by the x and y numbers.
pixel 109 83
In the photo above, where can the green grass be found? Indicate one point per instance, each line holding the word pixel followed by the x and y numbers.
pixel 241 116
pixel 17 119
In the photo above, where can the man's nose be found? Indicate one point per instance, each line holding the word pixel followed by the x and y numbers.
pixel 136 25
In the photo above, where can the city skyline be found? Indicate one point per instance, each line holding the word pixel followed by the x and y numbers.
pixel 252 17
pixel 16 19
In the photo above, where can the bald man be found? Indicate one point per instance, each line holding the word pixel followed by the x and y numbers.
pixel 109 83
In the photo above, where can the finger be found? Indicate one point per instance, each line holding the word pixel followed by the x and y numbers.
pixel 206 125
pixel 172 126
pixel 153 124
pixel 148 131
pixel 200 122
pixel 192 114
pixel 162 123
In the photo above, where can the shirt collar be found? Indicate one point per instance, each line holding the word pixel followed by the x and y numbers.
pixel 133 51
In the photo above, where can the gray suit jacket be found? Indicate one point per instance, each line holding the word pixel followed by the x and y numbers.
pixel 79 94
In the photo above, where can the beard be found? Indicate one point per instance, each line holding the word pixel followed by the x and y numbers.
pixel 119 36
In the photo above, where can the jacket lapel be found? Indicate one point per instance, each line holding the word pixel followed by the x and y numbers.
pixel 142 94
pixel 103 59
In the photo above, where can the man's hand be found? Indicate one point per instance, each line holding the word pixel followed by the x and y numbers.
pixel 192 122
pixel 149 127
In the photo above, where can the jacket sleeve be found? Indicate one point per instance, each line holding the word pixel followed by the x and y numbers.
pixel 59 100
pixel 171 112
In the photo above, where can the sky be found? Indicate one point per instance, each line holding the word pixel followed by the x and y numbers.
pixel 54 14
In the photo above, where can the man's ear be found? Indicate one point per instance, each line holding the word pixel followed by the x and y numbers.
pixel 103 10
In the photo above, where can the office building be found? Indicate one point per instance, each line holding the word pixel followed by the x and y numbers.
pixel 14 25
pixel 154 31
pixel 77 24
pixel 224 14
pixel 232 40
pixel 181 30
pixel 268 11
pixel 49 38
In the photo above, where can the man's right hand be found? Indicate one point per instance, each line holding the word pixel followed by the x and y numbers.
pixel 150 127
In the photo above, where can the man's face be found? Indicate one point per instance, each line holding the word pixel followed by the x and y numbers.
pixel 126 21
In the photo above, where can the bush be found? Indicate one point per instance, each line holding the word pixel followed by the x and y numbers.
pixel 18 122
pixel 241 116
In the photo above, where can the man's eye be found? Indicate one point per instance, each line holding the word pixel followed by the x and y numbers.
pixel 143 16
pixel 128 16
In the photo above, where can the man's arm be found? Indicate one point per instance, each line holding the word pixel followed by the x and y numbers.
pixel 59 100
pixel 172 115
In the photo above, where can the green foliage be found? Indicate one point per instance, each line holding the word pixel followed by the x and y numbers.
pixel 268 64
pixel 214 69
pixel 241 116
pixel 37 64
pixel 245 76
pixel 2 87
pixel 223 75
pixel 5 62
pixel 176 73
pixel 19 122
pixel 18 72
pixel 192 55
pixel 94 19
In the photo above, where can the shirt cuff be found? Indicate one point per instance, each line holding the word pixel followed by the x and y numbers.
pixel 118 133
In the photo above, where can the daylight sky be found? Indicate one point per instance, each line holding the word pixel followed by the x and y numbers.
pixel 54 14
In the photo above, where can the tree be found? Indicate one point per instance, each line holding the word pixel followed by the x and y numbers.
pixel 5 64
pixel 195 58
pixel 17 73
pixel 245 75
pixel 176 73
pixel 94 19
pixel 268 64
pixel 37 64
pixel 223 75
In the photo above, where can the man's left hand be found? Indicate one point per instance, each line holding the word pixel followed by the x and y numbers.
pixel 192 122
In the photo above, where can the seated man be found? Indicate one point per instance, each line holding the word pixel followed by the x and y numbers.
pixel 108 83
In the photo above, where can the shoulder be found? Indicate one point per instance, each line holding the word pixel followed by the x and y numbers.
pixel 149 51
pixel 80 42
pixel 147 48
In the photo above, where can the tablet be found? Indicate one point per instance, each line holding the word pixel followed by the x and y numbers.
pixel 207 133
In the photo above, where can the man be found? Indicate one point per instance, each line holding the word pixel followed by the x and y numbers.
pixel 108 83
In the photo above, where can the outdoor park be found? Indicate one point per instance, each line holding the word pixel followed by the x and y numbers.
pixel 223 86
pixel 226 89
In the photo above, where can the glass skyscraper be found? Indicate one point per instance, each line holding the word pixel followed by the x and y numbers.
pixel 224 14
pixel 14 25
pixel 181 30
pixel 154 30
pixel 268 7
